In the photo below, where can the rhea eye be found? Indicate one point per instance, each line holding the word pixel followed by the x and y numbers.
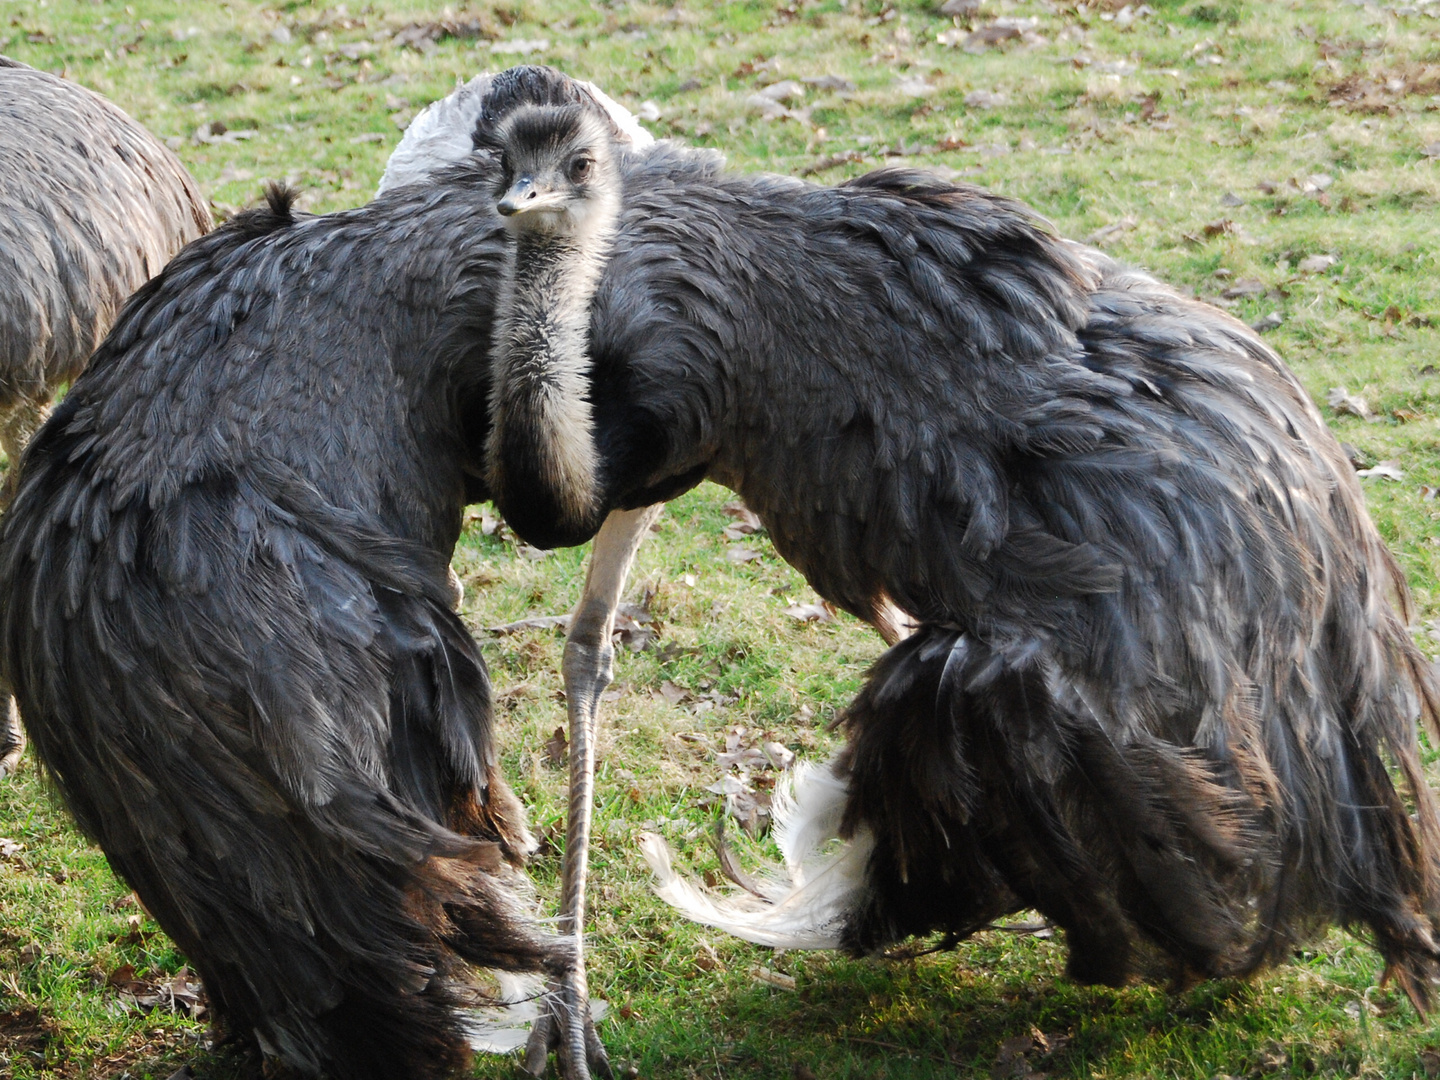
pixel 580 169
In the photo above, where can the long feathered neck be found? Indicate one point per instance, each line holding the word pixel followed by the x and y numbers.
pixel 542 459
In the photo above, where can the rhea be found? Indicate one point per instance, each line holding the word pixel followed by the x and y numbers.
pixel 91 206
pixel 1159 686
pixel 226 614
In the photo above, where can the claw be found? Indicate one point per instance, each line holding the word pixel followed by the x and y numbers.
pixel 566 1024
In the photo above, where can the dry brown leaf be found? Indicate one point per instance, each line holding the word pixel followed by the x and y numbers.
pixel 1347 404
pixel 822 612
pixel 536 622
pixel 741 555
pixel 985 99
pixel 1107 233
pixel 557 748
pixel 1316 264
pixel 777 754
pixel 675 695
pixel 844 157
pixel 830 82
pixel 1245 287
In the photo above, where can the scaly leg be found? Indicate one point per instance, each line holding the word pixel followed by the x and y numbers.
pixel 12 735
pixel 17 427
pixel 565 1024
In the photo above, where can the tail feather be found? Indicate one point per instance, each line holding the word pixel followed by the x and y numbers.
pixel 805 905
pixel 976 784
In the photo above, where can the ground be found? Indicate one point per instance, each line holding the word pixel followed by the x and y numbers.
pixel 1280 159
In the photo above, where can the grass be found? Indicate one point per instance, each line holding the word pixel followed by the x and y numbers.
pixel 1222 143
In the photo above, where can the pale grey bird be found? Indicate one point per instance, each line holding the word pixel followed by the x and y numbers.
pixel 237 526
pixel 91 207
pixel 1160 686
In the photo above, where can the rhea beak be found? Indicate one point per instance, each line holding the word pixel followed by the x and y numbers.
pixel 528 194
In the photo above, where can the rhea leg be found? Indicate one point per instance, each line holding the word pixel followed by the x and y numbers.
pixel 588 668
pixel 17 426
pixel 12 735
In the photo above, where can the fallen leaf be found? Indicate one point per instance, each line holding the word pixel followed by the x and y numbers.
pixel 741 555
pixel 635 633
pixel 743 758
pixel 10 848
pixel 1010 1060
pixel 1106 233
pixel 557 748
pixel 537 622
pixel 425 36
pixel 1273 321
pixel 744 516
pixel 985 99
pixel 1231 199
pixel 1316 264
pixel 844 157
pixel 520 46
pixel 1218 228
pixel 811 612
pixel 1385 470
pixel 1346 404
pixel 1245 287
pixel 675 695
pixel 1430 1061
pixel 830 82
pixel 1428 493
pixel 777 979
pixel 785 91
pixel 121 977
pixel 769 108
pixel 960 8
pixel 913 86
pixel 779 755
pixel 993 34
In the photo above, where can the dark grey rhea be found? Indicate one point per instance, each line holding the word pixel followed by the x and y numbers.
pixel 1159 687
pixel 225 612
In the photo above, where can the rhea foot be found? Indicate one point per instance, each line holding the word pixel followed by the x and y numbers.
pixel 566 1026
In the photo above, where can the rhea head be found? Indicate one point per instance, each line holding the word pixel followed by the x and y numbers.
pixel 557 174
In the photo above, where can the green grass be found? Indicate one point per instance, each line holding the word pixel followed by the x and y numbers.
pixel 1106 120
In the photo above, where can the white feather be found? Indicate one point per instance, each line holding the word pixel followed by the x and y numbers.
pixel 807 905
pixel 442 133
pixel 504 1028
